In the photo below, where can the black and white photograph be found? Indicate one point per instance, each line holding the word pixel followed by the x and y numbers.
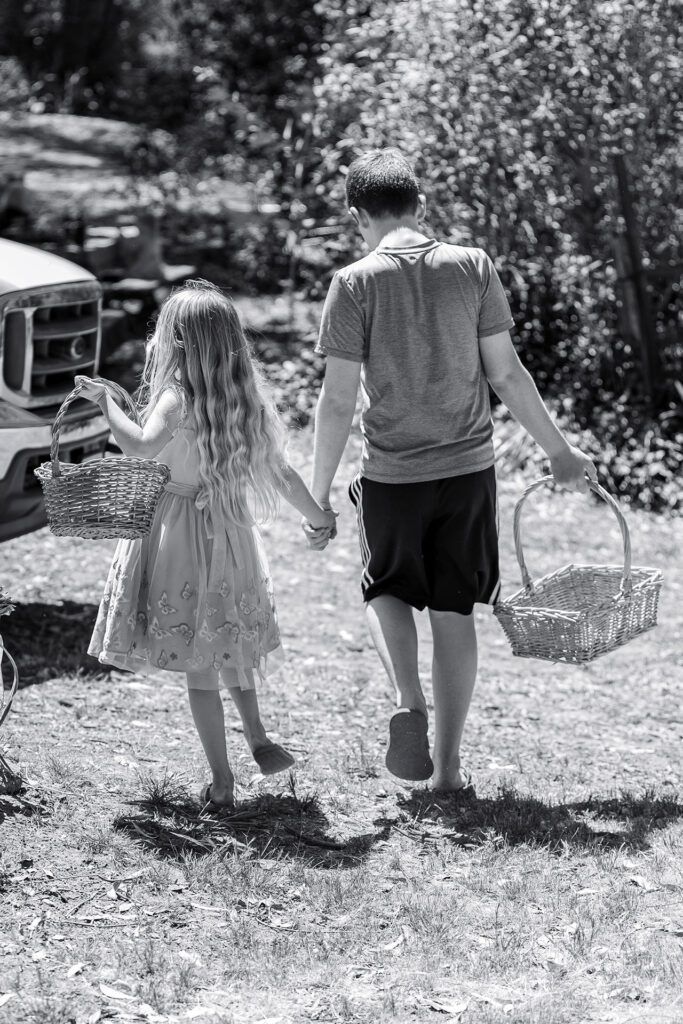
pixel 341 552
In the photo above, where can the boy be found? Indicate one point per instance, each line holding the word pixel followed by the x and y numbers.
pixel 424 327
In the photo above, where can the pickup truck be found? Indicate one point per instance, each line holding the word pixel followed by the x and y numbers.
pixel 50 330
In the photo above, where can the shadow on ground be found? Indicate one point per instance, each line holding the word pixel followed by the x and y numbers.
pixel 18 804
pixel 50 640
pixel 170 824
pixel 512 819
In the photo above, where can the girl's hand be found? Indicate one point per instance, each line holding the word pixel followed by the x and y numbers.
pixel 318 536
pixel 90 389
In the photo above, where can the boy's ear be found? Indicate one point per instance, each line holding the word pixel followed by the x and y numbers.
pixel 421 211
pixel 360 217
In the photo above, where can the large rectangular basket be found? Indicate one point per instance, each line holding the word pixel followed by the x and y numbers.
pixel 579 612
pixel 111 498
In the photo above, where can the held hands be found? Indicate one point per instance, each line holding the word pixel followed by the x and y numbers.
pixel 320 533
pixel 571 467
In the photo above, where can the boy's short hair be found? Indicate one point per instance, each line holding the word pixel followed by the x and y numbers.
pixel 382 183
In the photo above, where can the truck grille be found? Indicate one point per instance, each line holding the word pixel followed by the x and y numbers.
pixel 45 344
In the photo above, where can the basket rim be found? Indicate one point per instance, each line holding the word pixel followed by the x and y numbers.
pixel 103 465
pixel 652 577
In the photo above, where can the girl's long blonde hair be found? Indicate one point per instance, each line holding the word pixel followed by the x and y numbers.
pixel 199 343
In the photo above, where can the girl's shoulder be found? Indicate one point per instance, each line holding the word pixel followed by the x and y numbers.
pixel 173 406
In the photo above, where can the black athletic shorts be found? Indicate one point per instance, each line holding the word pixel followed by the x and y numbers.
pixel 432 544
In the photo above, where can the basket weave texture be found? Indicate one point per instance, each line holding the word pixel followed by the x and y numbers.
pixel 579 612
pixel 111 498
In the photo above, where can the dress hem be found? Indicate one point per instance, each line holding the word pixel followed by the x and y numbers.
pixel 129 663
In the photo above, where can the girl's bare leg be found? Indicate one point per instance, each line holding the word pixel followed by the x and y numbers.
pixel 270 757
pixel 246 703
pixel 207 711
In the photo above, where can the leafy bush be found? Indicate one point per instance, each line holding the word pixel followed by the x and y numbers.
pixel 15 87
pixel 512 112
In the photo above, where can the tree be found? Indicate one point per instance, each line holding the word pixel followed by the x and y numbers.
pixel 511 111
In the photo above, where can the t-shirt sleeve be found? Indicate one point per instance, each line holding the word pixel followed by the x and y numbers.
pixel 494 309
pixel 342 327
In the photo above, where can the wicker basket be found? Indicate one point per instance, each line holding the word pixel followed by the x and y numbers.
pixel 580 611
pixel 111 497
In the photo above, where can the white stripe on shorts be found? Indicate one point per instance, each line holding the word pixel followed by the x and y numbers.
pixel 496 590
pixel 357 489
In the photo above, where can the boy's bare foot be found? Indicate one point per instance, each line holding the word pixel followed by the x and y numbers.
pixel 451 782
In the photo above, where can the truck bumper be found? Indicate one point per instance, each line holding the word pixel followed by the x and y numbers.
pixel 22 509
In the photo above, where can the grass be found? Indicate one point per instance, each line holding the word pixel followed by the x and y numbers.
pixel 336 893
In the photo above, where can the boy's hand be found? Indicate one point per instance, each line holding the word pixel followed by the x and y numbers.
pixel 319 536
pixel 90 389
pixel 570 468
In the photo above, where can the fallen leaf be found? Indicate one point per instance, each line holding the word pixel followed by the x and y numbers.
pixel 113 993
pixel 4 998
pixel 448 1006
pixel 124 878
pixel 397 942
pixel 74 970
pixel 643 883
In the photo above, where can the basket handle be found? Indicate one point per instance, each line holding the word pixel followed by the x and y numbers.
pixel 119 393
pixel 626 582
pixel 5 704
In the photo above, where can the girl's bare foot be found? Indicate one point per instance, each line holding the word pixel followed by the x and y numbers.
pixel 218 795
pixel 272 758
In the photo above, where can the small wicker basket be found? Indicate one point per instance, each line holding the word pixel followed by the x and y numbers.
pixel 111 497
pixel 579 612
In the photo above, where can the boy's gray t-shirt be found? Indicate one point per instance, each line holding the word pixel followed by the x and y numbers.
pixel 413 316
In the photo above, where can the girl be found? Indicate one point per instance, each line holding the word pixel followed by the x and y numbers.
pixel 195 596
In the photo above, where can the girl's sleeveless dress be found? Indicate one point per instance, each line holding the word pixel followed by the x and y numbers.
pixel 195 594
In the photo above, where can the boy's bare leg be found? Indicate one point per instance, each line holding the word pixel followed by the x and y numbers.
pixel 454 671
pixel 207 712
pixel 393 632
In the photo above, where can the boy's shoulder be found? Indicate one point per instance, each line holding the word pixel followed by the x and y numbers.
pixel 469 258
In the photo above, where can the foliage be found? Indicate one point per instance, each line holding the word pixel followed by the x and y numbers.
pixel 76 51
pixel 6 605
pixel 639 459
pixel 15 87
pixel 511 112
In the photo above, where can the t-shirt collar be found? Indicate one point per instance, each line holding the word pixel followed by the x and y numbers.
pixel 429 243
